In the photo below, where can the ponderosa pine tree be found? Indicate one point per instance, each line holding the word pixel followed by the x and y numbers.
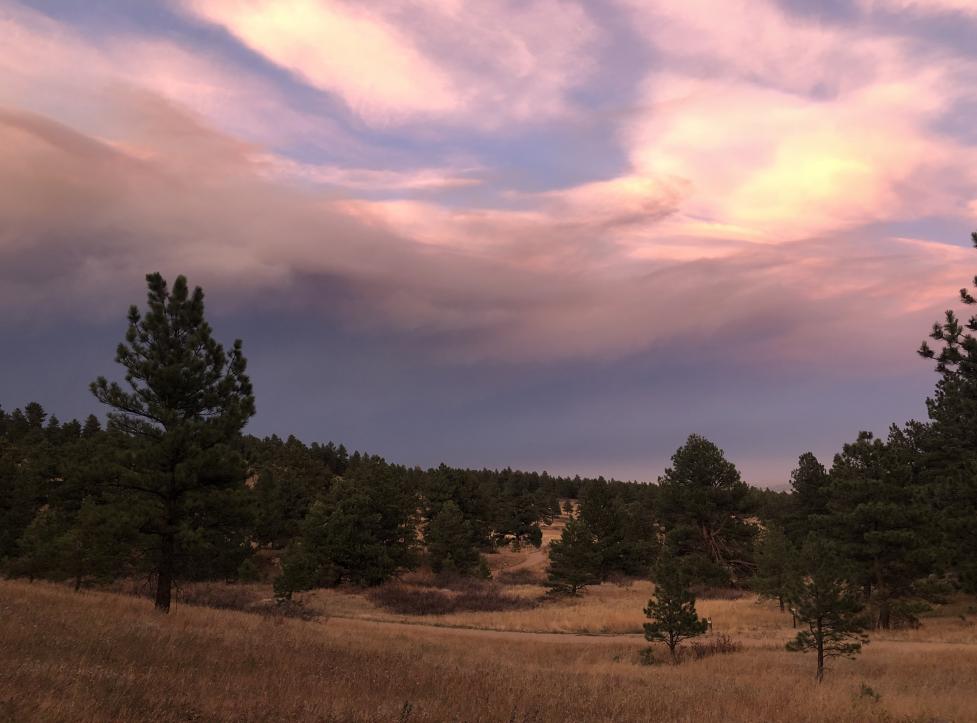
pixel 773 559
pixel 574 559
pixel 625 531
pixel 186 403
pixel 451 542
pixel 879 519
pixel 823 598
pixel 809 483
pixel 363 531
pixel 950 466
pixel 704 507
pixel 29 466
pixel 672 609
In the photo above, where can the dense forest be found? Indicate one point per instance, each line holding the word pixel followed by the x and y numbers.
pixel 169 488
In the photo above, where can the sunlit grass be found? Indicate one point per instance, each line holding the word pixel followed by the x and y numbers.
pixel 101 657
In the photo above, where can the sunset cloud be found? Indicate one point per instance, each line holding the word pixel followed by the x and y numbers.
pixel 547 184
pixel 393 62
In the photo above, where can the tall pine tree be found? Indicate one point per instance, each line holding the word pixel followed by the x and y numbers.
pixel 183 406
pixel 951 448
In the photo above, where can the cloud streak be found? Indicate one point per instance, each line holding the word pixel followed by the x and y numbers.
pixel 705 231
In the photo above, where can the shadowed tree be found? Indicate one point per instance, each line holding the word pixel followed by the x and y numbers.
pixel 575 560
pixel 809 497
pixel 951 448
pixel 882 525
pixel 186 401
pixel 824 599
pixel 362 532
pixel 451 543
pixel 773 558
pixel 703 505
pixel 672 610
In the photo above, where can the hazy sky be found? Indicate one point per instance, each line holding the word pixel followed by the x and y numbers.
pixel 539 233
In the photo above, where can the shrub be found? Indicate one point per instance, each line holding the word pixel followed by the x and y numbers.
pixel 719 645
pixel 408 600
pixel 519 577
pixel 279 609
pixel 708 592
pixel 697 650
pixel 219 595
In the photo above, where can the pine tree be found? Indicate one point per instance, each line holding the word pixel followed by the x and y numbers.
pixel 703 505
pixel 672 610
pixel 951 447
pixel 186 404
pixel 809 497
pixel 881 523
pixel 362 532
pixel 773 558
pixel 451 543
pixel 574 559
pixel 824 599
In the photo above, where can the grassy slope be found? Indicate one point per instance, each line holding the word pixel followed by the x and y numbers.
pixel 101 657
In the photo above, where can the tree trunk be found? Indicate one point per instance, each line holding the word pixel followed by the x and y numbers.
pixel 77 582
pixel 164 573
pixel 885 615
pixel 819 637
pixel 780 599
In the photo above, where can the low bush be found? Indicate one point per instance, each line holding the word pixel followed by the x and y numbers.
pixel 719 593
pixel 280 609
pixel 219 595
pixel 410 600
pixel 520 577
pixel 697 650
pixel 716 645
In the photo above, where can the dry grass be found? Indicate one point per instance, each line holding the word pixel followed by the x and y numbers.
pixel 90 656
pixel 604 609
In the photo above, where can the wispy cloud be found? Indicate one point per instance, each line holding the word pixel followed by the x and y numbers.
pixel 745 206
pixel 393 62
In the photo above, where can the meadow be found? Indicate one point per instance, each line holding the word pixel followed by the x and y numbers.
pixel 106 656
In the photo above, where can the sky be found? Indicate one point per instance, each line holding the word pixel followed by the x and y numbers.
pixel 546 234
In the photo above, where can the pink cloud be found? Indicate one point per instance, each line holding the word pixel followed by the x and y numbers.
pixel 48 67
pixel 922 7
pixel 397 61
pixel 737 217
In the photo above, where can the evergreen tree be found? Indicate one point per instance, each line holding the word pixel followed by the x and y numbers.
pixel 704 507
pixel 186 403
pixel 878 517
pixel 574 559
pixel 92 426
pixel 451 543
pixel 951 447
pixel 823 598
pixel 362 532
pixel 809 497
pixel 672 610
pixel 773 557
pixel 624 527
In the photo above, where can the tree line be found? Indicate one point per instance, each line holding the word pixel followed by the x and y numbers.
pixel 171 488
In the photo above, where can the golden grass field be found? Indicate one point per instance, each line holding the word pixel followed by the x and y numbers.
pixel 94 656
pixel 99 656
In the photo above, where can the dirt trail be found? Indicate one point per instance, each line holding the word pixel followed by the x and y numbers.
pixel 592 638
pixel 535 560
pixel 917 646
